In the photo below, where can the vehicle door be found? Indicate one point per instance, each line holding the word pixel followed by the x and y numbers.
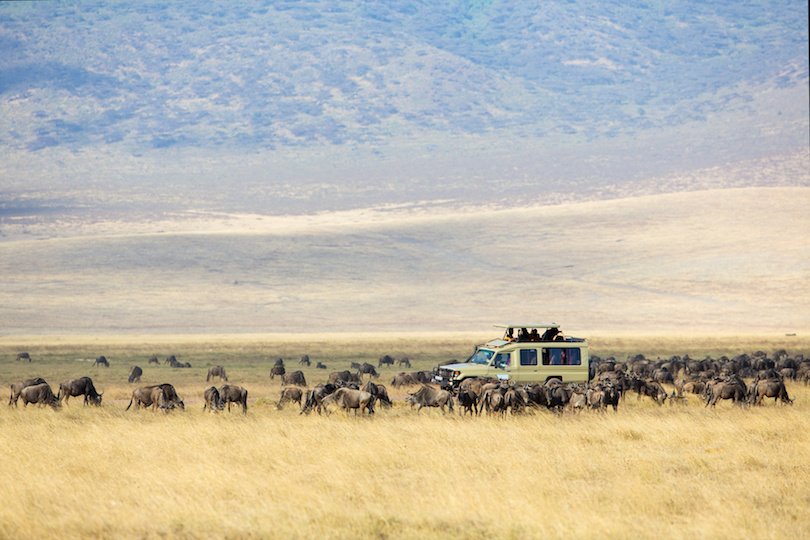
pixel 526 365
pixel 502 366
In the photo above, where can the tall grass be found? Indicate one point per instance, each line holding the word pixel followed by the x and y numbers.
pixel 647 471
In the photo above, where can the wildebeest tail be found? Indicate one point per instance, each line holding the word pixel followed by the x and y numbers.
pixel 130 403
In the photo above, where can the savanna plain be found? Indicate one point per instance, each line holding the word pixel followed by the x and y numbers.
pixel 646 471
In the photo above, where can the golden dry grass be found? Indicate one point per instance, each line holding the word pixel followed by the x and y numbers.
pixel 647 471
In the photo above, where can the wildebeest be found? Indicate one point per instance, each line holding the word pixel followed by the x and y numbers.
pixel 379 392
pixel 154 360
pixel 18 387
pixel 347 398
pixel 277 370
pixel 404 361
pixel 354 365
pixel 515 399
pixel 368 369
pixel 213 401
pixel 101 361
pixel 156 395
pixel 305 360
pixel 171 359
pixel 650 388
pixel 291 394
pixel 23 356
pixel 230 393
pixel 772 388
pixel 173 362
pixel 315 397
pixel 403 379
pixel 428 396
pixel 165 397
pixel 320 365
pixel 385 360
pixel 468 401
pixel 41 394
pixel 730 388
pixel 295 378
pixel 216 371
pixel 344 376
pixel 135 374
pixel 82 386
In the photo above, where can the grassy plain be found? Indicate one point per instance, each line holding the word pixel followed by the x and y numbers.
pixel 646 472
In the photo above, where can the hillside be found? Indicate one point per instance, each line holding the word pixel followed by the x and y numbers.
pixel 284 107
pixel 654 264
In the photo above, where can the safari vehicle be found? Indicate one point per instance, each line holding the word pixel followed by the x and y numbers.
pixel 526 353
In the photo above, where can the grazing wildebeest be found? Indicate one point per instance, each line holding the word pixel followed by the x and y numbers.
pixel 277 370
pixel 101 361
pixel 141 397
pixel 315 397
pixel 320 365
pixel 17 387
pixel 295 378
pixel 385 360
pixel 347 398
pixel 424 377
pixel 156 395
pixel 154 360
pixel 213 401
pixel 135 374
pixel 428 396
pixel 354 365
pixel 171 359
pixel 379 392
pixel 343 376
pixel 41 394
pixel 468 401
pixel 216 371
pixel 305 360
pixel 82 386
pixel 403 379
pixel 165 397
pixel 23 356
pixel 773 388
pixel 291 394
pixel 230 393
pixel 404 361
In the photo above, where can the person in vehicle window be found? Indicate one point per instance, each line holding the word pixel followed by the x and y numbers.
pixel 523 335
pixel 550 334
pixel 534 335
pixel 510 335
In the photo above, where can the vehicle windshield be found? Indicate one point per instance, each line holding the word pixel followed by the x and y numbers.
pixel 481 356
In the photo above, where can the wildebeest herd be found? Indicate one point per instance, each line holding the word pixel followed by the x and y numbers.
pixel 710 380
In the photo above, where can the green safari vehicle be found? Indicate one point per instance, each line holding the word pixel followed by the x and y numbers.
pixel 527 353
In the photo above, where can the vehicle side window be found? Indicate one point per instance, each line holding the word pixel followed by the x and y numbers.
pixel 503 360
pixel 528 357
pixel 552 357
pixel 562 357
